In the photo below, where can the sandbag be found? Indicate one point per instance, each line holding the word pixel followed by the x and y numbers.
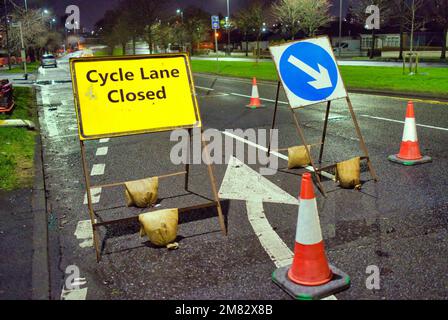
pixel 159 226
pixel 348 173
pixel 142 193
pixel 298 157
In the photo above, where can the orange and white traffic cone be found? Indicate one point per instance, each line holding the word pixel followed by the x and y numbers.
pixel 310 276
pixel 310 266
pixel 255 101
pixel 410 150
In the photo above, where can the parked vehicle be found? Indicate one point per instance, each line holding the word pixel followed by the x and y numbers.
pixel 49 60
pixel 6 96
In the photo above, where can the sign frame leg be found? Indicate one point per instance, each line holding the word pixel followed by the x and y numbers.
pixel 89 201
pixel 324 132
pixel 213 185
pixel 361 140
pixel 274 117
pixel 305 143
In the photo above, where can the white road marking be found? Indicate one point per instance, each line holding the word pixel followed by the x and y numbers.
pixel 204 88
pixel 102 151
pixel 98 169
pixel 278 155
pixel 277 250
pixel 243 183
pixel 77 294
pixel 262 99
pixel 84 233
pixel 105 140
pixel 49 118
pixel 239 177
pixel 402 122
pixel 96 195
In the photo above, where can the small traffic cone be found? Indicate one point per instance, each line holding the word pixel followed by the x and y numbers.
pixel 310 276
pixel 409 150
pixel 255 101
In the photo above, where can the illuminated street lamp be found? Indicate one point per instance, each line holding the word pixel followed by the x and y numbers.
pixel 228 28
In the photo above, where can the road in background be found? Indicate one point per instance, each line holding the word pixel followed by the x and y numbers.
pixel 398 224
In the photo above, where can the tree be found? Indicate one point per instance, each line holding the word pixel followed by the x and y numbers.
pixel 244 24
pixel 410 17
pixel 35 31
pixel 413 18
pixel 162 35
pixel 440 13
pixel 142 13
pixel 196 25
pixel 314 15
pixel 305 15
pixel 114 29
pixel 288 12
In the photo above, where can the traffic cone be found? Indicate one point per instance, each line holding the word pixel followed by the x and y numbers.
pixel 410 150
pixel 255 101
pixel 310 266
pixel 310 276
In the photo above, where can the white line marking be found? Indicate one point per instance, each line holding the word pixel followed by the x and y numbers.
pixel 204 88
pixel 277 250
pixel 84 233
pixel 96 195
pixel 263 99
pixel 102 151
pixel 397 121
pixel 257 188
pixel 105 140
pixel 278 155
pixel 98 169
pixel 78 294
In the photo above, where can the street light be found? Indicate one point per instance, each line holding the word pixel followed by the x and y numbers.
pixel 181 13
pixel 228 28
pixel 53 20
pixel 340 27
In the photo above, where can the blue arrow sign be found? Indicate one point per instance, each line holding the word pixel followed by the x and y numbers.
pixel 309 71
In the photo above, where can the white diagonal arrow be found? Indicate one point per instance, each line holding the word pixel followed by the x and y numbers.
pixel 321 78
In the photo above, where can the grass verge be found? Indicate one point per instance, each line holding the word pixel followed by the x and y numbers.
pixel 429 80
pixel 17 144
pixel 31 68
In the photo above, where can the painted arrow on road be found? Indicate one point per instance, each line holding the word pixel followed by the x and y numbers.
pixel 321 78
pixel 242 183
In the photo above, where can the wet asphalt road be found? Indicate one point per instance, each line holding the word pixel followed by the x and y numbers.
pixel 398 224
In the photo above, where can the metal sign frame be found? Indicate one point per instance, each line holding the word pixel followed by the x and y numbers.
pixel 73 61
pixel 216 202
pixel 318 171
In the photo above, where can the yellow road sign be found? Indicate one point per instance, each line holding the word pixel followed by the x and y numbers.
pixel 118 96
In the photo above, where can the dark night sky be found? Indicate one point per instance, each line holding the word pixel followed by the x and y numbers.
pixel 93 10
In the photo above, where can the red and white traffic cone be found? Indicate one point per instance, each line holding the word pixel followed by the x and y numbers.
pixel 410 150
pixel 310 276
pixel 255 101
pixel 310 266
